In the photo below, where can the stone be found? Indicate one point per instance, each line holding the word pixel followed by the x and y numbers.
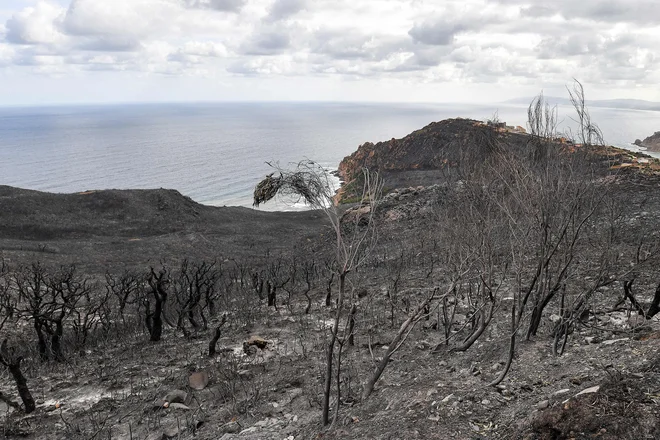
pixel 176 396
pixel 636 321
pixel 173 431
pixel 231 428
pixel 198 380
pixel 266 423
pixel 543 404
pixel 614 341
pixel 258 342
pixel 158 435
pixel 249 350
pixel 589 390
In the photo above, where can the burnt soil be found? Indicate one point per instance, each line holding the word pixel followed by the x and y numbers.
pixel 115 389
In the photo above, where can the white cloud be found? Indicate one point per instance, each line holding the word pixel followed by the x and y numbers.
pixel 419 42
pixel 35 25
pixel 6 55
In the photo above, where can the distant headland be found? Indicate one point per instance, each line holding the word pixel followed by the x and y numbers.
pixel 651 143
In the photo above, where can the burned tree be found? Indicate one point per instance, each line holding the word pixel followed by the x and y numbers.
pixel 354 235
pixel 127 289
pixel 10 359
pixel 159 285
pixel 48 299
pixel 8 354
pixel 195 292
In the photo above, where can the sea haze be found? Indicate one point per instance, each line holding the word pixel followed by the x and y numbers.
pixel 216 153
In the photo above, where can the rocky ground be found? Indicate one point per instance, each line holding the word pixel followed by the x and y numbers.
pixel 606 385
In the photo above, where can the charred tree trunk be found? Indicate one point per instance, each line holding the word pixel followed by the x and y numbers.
pixel 159 292
pixel 216 336
pixel 396 343
pixel 272 294
pixel 351 325
pixel 309 303
pixel 13 364
pixel 484 321
pixel 331 349
pixel 328 296
pixel 21 385
pixel 41 340
pixel 627 291
pixel 258 285
pixel 156 329
pixel 655 305
pixel 56 341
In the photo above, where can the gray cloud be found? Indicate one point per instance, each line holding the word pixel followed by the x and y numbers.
pixel 537 11
pixel 438 32
pixel 611 11
pixel 353 44
pixel 109 44
pixel 217 5
pixel 17 33
pixel 283 9
pixel 266 42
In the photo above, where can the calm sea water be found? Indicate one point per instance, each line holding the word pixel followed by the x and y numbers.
pixel 216 153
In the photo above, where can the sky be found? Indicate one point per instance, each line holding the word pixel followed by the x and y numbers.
pixel 472 51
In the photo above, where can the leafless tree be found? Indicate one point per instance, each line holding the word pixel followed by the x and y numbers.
pixel 159 285
pixel 354 235
pixel 588 132
pixel 195 291
pixel 8 353
pixel 127 290
pixel 48 299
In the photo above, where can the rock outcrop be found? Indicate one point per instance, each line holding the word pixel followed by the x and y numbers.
pixel 651 143
pixel 421 157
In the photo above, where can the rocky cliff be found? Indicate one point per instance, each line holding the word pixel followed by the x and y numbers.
pixel 651 143
pixel 425 155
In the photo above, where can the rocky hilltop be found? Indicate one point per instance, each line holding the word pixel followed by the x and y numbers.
pixel 422 156
pixel 651 143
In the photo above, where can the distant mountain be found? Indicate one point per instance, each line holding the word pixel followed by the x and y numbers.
pixel 636 104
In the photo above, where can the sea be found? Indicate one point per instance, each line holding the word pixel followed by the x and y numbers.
pixel 216 153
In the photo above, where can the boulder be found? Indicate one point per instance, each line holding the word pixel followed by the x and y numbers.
pixel 176 396
pixel 231 428
pixel 256 341
pixel 198 380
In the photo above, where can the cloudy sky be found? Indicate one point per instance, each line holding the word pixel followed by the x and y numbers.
pixel 74 51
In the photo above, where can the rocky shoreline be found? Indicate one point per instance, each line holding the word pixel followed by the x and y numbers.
pixel 651 143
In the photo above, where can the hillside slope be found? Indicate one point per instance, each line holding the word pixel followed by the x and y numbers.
pixel 134 227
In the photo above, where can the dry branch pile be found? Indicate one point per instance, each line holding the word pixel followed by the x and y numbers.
pixel 308 182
